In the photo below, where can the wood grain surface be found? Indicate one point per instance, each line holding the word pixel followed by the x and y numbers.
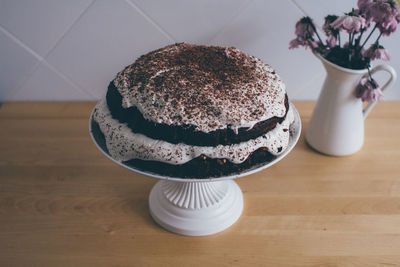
pixel 62 203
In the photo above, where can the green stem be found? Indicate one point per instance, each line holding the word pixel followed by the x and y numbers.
pixel 315 30
pixel 377 39
pixel 358 40
pixel 349 40
pixel 368 37
pixel 349 49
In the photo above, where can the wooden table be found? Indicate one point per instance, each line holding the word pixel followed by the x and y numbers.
pixel 62 203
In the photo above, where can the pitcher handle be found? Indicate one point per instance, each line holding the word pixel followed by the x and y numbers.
pixel 392 79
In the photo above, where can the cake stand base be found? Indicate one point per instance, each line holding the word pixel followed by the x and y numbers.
pixel 196 208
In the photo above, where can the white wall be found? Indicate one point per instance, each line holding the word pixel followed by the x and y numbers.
pixel 71 49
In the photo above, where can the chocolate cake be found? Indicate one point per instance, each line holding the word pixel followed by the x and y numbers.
pixel 195 111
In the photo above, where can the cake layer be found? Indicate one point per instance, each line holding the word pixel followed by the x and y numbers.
pixel 194 111
pixel 124 145
pixel 200 167
pixel 207 87
pixel 185 133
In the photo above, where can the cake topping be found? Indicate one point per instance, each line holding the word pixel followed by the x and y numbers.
pixel 124 145
pixel 208 87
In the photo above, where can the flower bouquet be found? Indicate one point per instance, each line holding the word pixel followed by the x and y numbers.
pixel 348 39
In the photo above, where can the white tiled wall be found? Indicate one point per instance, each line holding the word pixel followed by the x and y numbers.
pixel 71 49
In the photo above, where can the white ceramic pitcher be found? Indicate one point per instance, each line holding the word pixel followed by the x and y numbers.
pixel 337 124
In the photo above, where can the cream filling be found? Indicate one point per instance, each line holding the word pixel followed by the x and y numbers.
pixel 124 145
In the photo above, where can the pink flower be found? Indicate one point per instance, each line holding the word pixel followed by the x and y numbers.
pixel 299 41
pixel 349 23
pixel 327 28
pixel 295 43
pixel 388 26
pixel 386 15
pixel 331 41
pixel 349 50
pixel 305 28
pixel 368 90
pixel 372 95
pixel 305 32
pixel 330 32
pixel 363 5
pixel 377 51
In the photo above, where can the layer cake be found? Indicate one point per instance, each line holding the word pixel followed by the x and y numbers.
pixel 195 111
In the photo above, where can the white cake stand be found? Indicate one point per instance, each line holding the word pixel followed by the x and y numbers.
pixel 197 207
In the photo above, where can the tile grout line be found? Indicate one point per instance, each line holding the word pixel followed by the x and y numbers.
pixel 299 7
pixel 54 69
pixel 22 45
pixel 69 29
pixel 232 18
pixel 152 21
pixel 67 79
pixel 302 10
pixel 42 60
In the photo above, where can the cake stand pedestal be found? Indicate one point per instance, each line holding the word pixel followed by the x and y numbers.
pixel 197 207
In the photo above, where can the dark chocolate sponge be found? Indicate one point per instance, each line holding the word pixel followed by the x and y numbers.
pixel 184 133
pixel 201 167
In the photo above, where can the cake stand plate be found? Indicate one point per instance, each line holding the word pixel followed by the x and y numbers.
pixel 198 207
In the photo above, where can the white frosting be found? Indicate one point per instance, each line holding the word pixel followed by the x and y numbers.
pixel 244 104
pixel 124 145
